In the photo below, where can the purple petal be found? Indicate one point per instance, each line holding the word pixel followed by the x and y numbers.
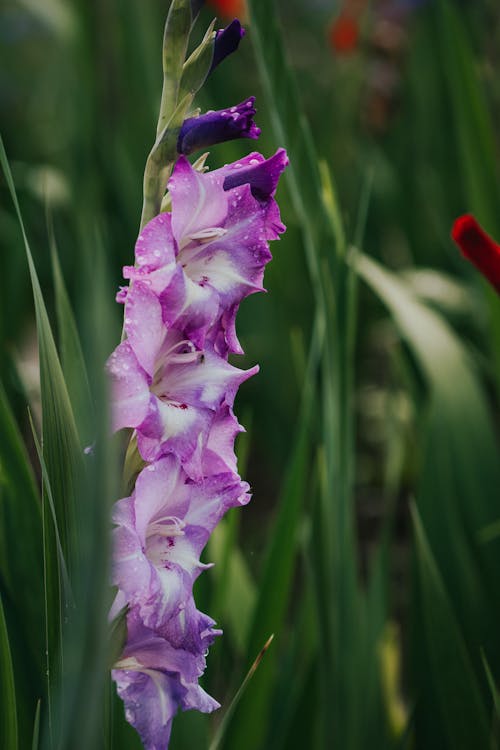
pixel 233 262
pixel 130 388
pixel 219 456
pixel 205 380
pixel 144 325
pixel 176 427
pixel 196 205
pixel 226 42
pixel 151 699
pixel 162 485
pixel 154 680
pixel 189 306
pixel 155 246
pixel 217 127
pixel 160 533
pixel 262 176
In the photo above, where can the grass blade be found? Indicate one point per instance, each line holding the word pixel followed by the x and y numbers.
pixel 456 497
pixel 36 728
pixel 8 721
pixel 270 609
pixel 215 744
pixel 20 574
pixel 461 704
pixel 72 360
pixel 60 439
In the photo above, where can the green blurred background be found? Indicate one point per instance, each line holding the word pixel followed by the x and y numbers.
pixel 372 545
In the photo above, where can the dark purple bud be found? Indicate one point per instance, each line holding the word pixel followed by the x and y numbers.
pixel 226 42
pixel 217 127
pixel 261 175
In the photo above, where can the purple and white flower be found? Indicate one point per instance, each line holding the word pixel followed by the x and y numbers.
pixel 210 253
pixel 164 387
pixel 175 388
pixel 160 533
pixel 155 679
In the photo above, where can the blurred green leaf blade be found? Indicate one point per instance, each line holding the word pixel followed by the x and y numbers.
pixel 8 716
pixel 460 700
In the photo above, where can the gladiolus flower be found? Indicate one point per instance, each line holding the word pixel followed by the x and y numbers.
pixel 154 679
pixel 478 247
pixel 161 531
pixel 343 34
pixel 173 385
pixel 229 8
pixel 210 253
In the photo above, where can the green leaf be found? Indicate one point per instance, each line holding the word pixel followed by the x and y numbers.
pixel 117 635
pixel 222 728
pixel 63 568
pixel 60 438
pixel 292 131
pixel 36 728
pixel 160 162
pixel 459 462
pixel 460 702
pixel 72 360
pixel 175 42
pixel 197 66
pixel 493 688
pixel 80 701
pixel 235 591
pixel 276 580
pixel 8 715
pixel 457 490
pixel 21 566
pixel 20 574
pixel 62 458
pixel 475 140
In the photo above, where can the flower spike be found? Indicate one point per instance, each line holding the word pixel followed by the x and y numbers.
pixel 174 387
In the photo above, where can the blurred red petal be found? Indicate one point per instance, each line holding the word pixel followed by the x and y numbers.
pixel 343 34
pixel 478 247
pixel 229 8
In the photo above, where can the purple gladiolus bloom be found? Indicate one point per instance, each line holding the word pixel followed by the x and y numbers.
pixel 217 127
pixel 161 531
pixel 166 389
pixel 174 386
pixel 226 42
pixel 210 253
pixel 155 679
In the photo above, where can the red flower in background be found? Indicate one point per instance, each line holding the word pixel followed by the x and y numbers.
pixel 229 8
pixel 343 34
pixel 478 247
